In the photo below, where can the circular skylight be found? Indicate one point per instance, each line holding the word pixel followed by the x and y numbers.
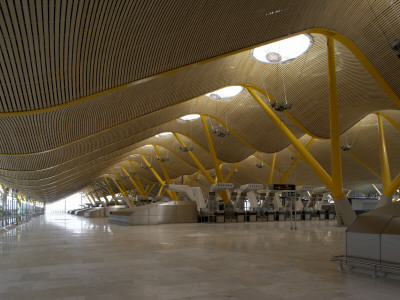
pixel 283 51
pixel 163 134
pixel 188 118
pixel 225 93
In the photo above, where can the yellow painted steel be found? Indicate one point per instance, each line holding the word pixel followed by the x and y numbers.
pixel 351 153
pixel 348 193
pixel 151 188
pixel 167 179
pixel 18 200
pixel 194 178
pixel 385 170
pixel 133 182
pixel 229 175
pixel 104 196
pixel 397 198
pixel 394 185
pixel 307 157
pixel 293 152
pixel 121 184
pixel 110 190
pixel 395 125
pixel 379 192
pixel 259 158
pixel 156 175
pixel 160 190
pixel 195 160
pixel 185 179
pixel 271 171
pixel 294 163
pixel 336 163
pixel 212 150
pixel 119 188
pixel 224 195
pixel 137 176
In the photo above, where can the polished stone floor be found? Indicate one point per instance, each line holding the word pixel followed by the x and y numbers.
pixel 70 257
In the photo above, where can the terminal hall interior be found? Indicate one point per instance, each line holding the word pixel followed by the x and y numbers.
pixel 201 149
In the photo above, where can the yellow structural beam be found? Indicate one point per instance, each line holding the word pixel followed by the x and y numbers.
pixel 159 179
pixel 138 188
pixel 391 121
pixel 224 194
pixel 306 156
pixel 119 187
pixel 151 188
pixel 110 190
pixel 385 170
pixel 185 179
pixel 160 190
pixel 379 192
pixel 164 170
pixel 194 178
pixel 294 163
pixel 348 193
pixel 271 171
pixel 336 163
pixel 351 153
pixel 212 150
pixel 121 184
pixel 136 176
pixel 234 168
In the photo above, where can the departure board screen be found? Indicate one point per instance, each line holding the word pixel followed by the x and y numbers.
pixel 284 187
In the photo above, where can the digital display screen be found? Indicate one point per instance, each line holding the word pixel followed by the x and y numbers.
pixel 243 194
pixel 211 193
pixel 234 194
pixel 272 194
pixel 263 194
pixel 297 195
pixel 284 187
pixel 314 195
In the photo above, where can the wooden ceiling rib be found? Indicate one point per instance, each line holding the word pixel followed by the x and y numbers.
pixel 119 72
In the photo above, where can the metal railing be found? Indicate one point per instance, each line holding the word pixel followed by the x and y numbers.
pixel 379 269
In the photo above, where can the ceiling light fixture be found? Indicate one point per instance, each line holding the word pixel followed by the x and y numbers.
pixel 225 93
pixel 284 51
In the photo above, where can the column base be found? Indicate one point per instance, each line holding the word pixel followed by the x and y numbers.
pixel 384 200
pixel 345 214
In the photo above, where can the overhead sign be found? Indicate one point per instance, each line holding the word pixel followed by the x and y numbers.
pixel 283 187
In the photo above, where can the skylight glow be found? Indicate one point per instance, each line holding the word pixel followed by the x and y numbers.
pixel 283 51
pixel 163 134
pixel 225 93
pixel 189 117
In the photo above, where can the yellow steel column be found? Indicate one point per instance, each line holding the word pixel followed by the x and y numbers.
pixel 119 188
pixel 121 184
pixel 194 178
pixel 196 161
pixel 185 179
pixel 307 157
pixel 377 190
pixel 167 179
pixel 223 195
pixel 133 182
pixel 234 168
pixel 348 193
pixel 294 163
pixel 385 170
pixel 218 173
pixel 336 164
pixel 110 190
pixel 363 163
pixel 172 196
pixel 212 150
pixel 151 188
pixel 159 192
pixel 271 172
pixel 136 176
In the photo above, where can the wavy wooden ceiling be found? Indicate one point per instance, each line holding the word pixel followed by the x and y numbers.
pixel 117 54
